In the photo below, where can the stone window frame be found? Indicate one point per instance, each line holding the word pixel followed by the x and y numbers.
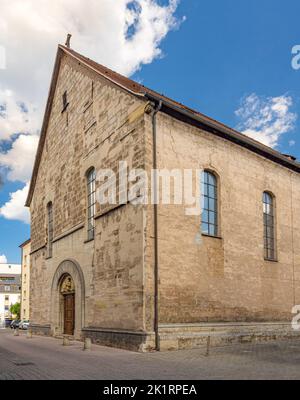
pixel 206 199
pixel 269 226
pixel 91 202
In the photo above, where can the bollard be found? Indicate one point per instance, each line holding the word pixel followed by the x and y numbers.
pixel 66 341
pixel 29 334
pixel 87 344
pixel 207 346
pixel 16 332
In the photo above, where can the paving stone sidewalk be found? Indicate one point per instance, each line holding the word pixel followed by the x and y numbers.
pixel 46 358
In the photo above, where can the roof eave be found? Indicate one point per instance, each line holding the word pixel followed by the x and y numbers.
pixel 44 125
pixel 221 130
pixel 25 243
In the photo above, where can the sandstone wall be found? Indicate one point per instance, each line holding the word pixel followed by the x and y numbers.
pixel 225 278
pixel 101 126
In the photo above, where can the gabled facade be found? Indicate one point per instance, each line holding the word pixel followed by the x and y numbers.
pixel 133 275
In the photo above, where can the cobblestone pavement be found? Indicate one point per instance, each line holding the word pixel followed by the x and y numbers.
pixel 46 358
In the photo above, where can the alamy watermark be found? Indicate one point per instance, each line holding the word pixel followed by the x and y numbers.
pixel 2 57
pixel 296 318
pixel 159 186
pixel 296 57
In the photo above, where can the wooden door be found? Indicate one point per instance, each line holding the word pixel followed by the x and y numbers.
pixel 69 314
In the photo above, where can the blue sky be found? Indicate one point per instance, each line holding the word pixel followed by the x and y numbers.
pixel 226 50
pixel 223 52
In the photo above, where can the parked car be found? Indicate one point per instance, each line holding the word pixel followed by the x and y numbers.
pixel 15 324
pixel 8 321
pixel 24 325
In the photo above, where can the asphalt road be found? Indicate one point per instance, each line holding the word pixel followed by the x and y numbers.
pixel 46 358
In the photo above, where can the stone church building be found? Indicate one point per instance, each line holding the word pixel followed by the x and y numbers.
pixel 149 276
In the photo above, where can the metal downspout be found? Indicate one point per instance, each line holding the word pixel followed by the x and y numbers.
pixel 155 209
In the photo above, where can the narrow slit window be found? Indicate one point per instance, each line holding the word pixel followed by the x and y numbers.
pixel 91 203
pixel 50 228
pixel 269 226
pixel 65 100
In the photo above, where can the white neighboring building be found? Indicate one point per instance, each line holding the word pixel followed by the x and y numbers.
pixel 25 285
pixel 10 269
pixel 10 289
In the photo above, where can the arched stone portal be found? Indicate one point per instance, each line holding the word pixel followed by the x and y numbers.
pixel 68 299
pixel 67 306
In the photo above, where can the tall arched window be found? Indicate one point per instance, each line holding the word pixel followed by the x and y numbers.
pixel 50 228
pixel 269 226
pixel 91 203
pixel 209 193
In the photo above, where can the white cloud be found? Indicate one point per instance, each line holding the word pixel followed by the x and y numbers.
pixel 292 143
pixel 3 259
pixel 266 119
pixel 121 34
pixel 17 115
pixel 14 209
pixel 19 159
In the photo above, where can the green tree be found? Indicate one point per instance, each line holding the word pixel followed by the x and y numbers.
pixel 15 309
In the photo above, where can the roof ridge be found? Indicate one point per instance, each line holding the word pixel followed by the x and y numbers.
pixel 105 71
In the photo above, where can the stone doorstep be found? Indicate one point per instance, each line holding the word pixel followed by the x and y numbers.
pixel 70 337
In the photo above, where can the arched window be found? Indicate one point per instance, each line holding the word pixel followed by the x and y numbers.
pixel 91 203
pixel 269 226
pixel 50 228
pixel 209 193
